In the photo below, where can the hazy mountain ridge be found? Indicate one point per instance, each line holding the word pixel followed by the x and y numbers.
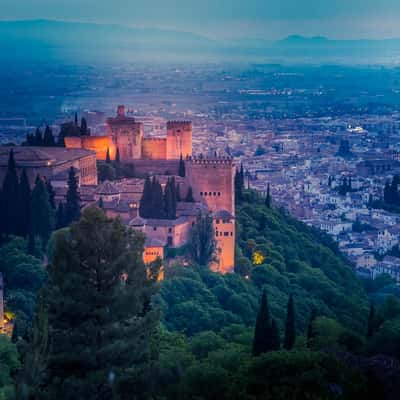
pixel 77 41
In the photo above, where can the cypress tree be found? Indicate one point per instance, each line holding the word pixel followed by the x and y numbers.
pixel 310 328
pixel 263 327
pixel 178 192
pixel 117 156
pixel 268 199
pixel 31 248
pixel 275 341
pixel 102 328
pixel 202 242
pixel 41 212
pixel 371 321
pixel 170 199
pixel 145 201
pixel 73 203
pixel 11 199
pixel 38 137
pixel 52 194
pixel 387 194
pixel 84 128
pixel 290 330
pixel 189 197
pixel 157 200
pixel 108 158
pixel 101 203
pixel 182 170
pixel 25 204
pixel 60 216
pixel 48 138
pixel 76 119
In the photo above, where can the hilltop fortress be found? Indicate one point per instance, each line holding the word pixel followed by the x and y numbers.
pixel 211 180
pixel 126 134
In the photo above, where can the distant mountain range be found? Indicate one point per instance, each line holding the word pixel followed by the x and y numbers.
pixel 40 40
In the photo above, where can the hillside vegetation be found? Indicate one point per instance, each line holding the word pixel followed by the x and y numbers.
pixel 274 252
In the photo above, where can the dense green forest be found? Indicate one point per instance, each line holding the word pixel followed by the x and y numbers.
pixel 198 337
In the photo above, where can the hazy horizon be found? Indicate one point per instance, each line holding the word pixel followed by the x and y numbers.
pixel 336 19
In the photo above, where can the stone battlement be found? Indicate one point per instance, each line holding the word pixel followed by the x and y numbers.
pixel 179 124
pixel 210 160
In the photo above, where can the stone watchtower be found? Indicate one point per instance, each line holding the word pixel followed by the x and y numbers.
pixel 127 135
pixel 179 139
pixel 212 181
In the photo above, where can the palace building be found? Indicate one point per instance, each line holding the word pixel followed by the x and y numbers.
pixel 210 179
pixel 51 163
pixel 126 134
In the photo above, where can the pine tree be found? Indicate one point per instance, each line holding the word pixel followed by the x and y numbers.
pixel 34 354
pixel 42 216
pixel 310 328
pixel 108 158
pixel 202 242
pixel 268 199
pixel 371 321
pixel 182 170
pixel 60 216
pixel 102 327
pixel 189 197
pixel 73 203
pixel 11 217
pixel 24 204
pixel 262 329
pixel 84 128
pixel 117 156
pixel 290 330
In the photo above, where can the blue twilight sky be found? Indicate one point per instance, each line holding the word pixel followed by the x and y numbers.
pixel 268 19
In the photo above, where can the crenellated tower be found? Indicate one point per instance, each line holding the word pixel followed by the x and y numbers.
pixel 127 135
pixel 212 182
pixel 179 139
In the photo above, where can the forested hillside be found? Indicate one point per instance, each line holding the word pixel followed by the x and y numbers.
pixel 275 252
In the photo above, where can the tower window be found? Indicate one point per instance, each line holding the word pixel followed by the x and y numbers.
pixel 210 194
pixel 215 193
pixel 226 233
pixel 201 193
pixel 219 193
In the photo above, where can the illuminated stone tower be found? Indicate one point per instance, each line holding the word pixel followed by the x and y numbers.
pixel 127 135
pixel 212 182
pixel 179 139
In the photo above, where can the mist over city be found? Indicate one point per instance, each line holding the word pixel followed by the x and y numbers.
pixel 199 200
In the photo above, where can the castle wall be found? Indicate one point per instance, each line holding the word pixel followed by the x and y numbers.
pixel 154 149
pixel 212 182
pixel 156 167
pixel 179 139
pixel 98 144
